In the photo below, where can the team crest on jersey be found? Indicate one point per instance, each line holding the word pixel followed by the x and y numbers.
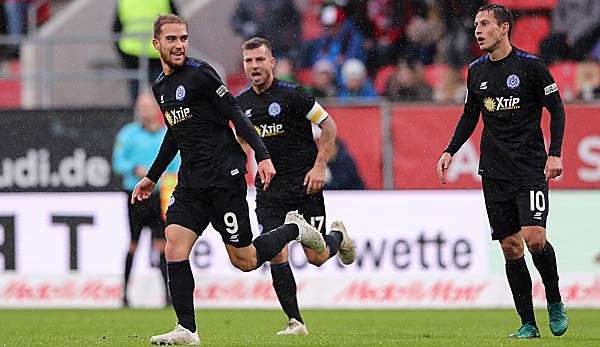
pixel 180 93
pixel 513 81
pixel 274 109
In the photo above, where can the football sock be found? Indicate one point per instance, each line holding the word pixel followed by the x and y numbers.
pixel 519 281
pixel 269 244
pixel 545 262
pixel 181 286
pixel 128 265
pixel 162 265
pixel 285 288
pixel 333 241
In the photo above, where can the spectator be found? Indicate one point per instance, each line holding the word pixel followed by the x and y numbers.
pixel 134 23
pixel 423 33
pixel 340 41
pixel 16 14
pixel 275 20
pixel 406 84
pixel 356 83
pixel 457 46
pixel 135 147
pixel 284 70
pixel 342 173
pixel 452 88
pixel 323 79
pixel 575 31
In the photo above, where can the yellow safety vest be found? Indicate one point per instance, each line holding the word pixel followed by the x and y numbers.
pixel 137 17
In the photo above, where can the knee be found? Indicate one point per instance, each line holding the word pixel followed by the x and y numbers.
pixel 512 249
pixel 244 265
pixel 317 259
pixel 536 245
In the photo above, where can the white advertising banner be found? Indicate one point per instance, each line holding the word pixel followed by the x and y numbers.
pixel 414 249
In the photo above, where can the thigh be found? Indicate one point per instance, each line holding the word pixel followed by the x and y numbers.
pixel 312 208
pixel 532 199
pixel 501 207
pixel 270 215
pixel 229 213
pixel 189 209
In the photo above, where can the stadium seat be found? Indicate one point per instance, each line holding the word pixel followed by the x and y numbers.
pixel 564 75
pixel 529 31
pixel 381 78
pixel 10 89
pixel 434 74
pixel 528 4
pixel 236 82
pixel 304 76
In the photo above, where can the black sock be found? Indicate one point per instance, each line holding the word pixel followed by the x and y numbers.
pixel 128 265
pixel 519 281
pixel 285 288
pixel 268 245
pixel 545 262
pixel 181 286
pixel 333 241
pixel 162 266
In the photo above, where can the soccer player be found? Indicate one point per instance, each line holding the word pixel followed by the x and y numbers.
pixel 283 115
pixel 509 87
pixel 197 108
pixel 136 145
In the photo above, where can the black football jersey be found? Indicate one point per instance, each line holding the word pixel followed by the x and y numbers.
pixel 196 107
pixel 510 94
pixel 283 116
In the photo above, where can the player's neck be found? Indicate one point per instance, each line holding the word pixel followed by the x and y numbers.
pixel 501 52
pixel 261 88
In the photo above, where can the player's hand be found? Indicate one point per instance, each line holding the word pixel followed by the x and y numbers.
pixel 554 167
pixel 142 190
pixel 266 171
pixel 315 179
pixel 442 166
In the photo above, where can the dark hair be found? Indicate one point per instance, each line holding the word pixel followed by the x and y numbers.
pixel 256 42
pixel 167 19
pixel 501 13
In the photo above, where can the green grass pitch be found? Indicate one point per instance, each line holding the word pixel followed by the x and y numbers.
pixel 257 327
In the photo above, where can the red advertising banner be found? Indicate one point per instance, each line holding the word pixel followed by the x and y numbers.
pixel 420 133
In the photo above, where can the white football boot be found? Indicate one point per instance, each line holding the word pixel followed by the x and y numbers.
pixel 179 336
pixel 347 251
pixel 307 235
pixel 293 327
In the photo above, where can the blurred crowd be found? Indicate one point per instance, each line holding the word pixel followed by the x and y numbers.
pixel 410 50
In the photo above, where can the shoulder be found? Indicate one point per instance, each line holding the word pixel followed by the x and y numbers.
pixel 245 92
pixel 291 89
pixel 530 60
pixel 477 62
pixel 201 69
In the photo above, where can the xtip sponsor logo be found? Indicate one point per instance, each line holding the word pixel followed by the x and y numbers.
pixel 176 116
pixel 501 103
pixel 266 130
pixel 34 171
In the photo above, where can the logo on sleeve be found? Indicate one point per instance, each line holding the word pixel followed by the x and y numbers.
pixel 248 113
pixel 483 85
pixel 222 90
pixel 513 81
pixel 180 93
pixel 550 89
pixel 274 109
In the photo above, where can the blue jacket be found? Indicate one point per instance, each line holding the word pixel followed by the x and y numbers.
pixel 136 146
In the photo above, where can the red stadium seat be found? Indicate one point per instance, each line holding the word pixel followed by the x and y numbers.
pixel 304 77
pixel 529 32
pixel 434 74
pixel 382 76
pixel 236 82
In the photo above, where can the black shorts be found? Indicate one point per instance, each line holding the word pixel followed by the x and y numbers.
pixel 512 204
pixel 145 213
pixel 271 212
pixel 224 207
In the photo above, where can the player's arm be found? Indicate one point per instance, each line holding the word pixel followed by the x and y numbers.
pixel 220 97
pixel 168 151
pixel 550 96
pixel 464 129
pixel 315 178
